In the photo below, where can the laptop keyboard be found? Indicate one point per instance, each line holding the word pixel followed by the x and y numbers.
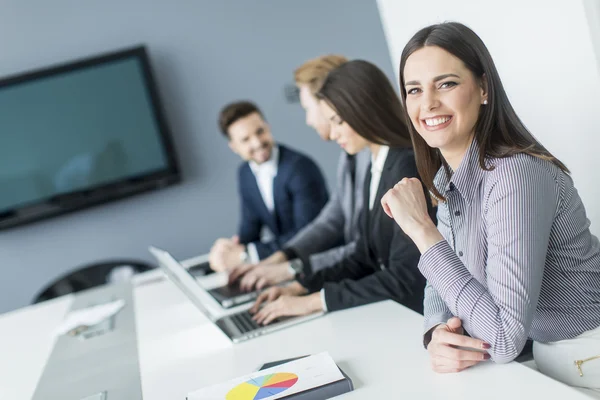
pixel 244 322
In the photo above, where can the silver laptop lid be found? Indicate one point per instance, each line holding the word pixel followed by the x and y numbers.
pixel 183 280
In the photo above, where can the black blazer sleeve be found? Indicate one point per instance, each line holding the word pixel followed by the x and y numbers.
pixel 353 266
pixel 390 274
pixel 401 281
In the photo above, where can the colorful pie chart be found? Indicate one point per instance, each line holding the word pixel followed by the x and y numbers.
pixel 263 386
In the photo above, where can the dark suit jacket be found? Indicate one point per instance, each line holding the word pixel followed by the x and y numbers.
pixel 299 194
pixel 384 264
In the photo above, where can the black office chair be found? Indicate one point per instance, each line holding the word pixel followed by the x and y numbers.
pixel 87 277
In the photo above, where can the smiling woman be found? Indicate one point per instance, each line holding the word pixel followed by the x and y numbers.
pixel 442 90
pixel 512 256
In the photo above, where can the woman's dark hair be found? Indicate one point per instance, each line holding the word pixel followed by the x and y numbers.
pixel 499 132
pixel 363 97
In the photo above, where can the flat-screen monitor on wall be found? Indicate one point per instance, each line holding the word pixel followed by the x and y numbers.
pixel 81 134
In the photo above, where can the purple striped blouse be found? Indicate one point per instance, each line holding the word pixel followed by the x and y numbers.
pixel 518 261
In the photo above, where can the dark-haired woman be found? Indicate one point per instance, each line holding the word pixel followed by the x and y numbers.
pixel 512 256
pixel 364 112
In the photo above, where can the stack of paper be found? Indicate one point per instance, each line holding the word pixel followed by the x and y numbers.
pixel 89 316
pixel 276 382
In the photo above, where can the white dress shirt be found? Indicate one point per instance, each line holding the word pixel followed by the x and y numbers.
pixel 265 174
pixel 377 164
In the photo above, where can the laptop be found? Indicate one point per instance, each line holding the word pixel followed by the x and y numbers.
pixel 236 326
pixel 227 296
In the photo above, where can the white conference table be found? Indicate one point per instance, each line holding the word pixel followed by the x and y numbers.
pixel 180 350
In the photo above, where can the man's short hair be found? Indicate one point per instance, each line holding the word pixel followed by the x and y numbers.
pixel 235 111
pixel 313 72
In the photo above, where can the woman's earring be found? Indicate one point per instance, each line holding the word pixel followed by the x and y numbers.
pixel 485 102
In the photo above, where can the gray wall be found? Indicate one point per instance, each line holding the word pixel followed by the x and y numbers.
pixel 205 53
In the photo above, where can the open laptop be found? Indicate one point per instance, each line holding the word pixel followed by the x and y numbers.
pixel 228 295
pixel 237 326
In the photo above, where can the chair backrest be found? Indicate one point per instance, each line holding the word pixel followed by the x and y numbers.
pixel 87 277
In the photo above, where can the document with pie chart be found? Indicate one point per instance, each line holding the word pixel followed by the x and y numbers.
pixel 276 382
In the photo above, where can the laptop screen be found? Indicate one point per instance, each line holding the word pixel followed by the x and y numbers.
pixel 183 280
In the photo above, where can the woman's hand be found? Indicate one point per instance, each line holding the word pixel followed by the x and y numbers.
pixel 288 306
pixel 406 203
pixel 273 293
pixel 263 276
pixel 451 351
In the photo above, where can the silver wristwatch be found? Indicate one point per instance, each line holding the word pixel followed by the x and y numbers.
pixel 297 265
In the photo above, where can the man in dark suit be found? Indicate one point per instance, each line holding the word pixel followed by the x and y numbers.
pixel 281 190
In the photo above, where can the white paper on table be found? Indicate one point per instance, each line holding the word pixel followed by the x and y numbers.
pixel 90 316
pixel 298 376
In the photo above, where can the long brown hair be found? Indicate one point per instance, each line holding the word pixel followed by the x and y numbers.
pixel 363 97
pixel 499 132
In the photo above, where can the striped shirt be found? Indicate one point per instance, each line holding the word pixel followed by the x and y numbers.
pixel 518 261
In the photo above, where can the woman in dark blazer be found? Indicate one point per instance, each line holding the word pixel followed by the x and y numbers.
pixel 362 107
